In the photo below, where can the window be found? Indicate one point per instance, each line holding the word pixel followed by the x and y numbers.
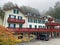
pixel 35 26
pixel 12 25
pixel 44 26
pixel 30 20
pixel 30 26
pixel 40 26
pixel 35 20
pixel 46 17
pixel 12 16
pixel 43 21
pixel 16 11
pixel 20 25
pixel 19 17
pixel 39 21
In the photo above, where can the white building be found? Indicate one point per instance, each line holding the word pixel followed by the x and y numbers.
pixel 16 18
pixel 14 15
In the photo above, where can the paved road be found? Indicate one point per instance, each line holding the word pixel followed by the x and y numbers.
pixel 55 41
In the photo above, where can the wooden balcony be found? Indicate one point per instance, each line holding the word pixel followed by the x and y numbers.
pixel 14 20
pixel 52 24
pixel 50 19
pixel 18 30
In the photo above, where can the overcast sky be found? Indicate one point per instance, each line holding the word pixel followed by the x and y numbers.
pixel 41 5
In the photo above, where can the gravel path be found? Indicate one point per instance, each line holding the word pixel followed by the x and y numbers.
pixel 55 41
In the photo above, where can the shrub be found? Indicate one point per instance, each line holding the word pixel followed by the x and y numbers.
pixel 6 37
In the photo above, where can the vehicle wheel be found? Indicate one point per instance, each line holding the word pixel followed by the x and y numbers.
pixel 46 39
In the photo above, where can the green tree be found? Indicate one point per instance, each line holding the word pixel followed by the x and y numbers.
pixel 8 5
pixel 1 13
pixel 5 6
pixel 55 12
pixel 50 11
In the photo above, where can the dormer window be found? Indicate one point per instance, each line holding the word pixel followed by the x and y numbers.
pixel 16 11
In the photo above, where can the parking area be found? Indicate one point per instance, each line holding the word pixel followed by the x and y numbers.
pixel 55 41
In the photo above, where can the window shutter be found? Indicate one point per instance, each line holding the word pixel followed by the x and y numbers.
pixel 17 11
pixel 14 25
pixel 28 19
pixel 20 25
pixel 18 17
pixel 35 26
pixel 21 17
pixel 30 26
pixel 14 16
pixel 9 16
pixel 8 25
pixel 14 11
